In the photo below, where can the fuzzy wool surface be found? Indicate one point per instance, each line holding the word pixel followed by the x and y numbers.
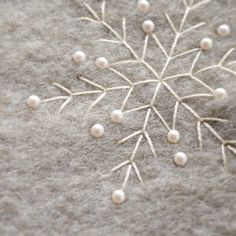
pixel 55 178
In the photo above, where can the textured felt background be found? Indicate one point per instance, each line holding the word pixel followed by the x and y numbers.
pixel 55 178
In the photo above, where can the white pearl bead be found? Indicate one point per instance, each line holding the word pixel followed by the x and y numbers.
pixel 148 26
pixel 220 93
pixel 33 101
pixel 143 5
pixel 118 196
pixel 206 44
pixel 101 63
pixel 79 57
pixel 173 136
pixel 117 116
pixel 97 131
pixel 180 158
pixel 223 30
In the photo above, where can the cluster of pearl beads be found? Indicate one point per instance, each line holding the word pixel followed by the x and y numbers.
pixel 180 158
pixel 207 43
pixel 117 117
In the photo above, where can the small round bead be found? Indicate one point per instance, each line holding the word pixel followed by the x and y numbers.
pixel 79 57
pixel 97 131
pixel 220 93
pixel 101 63
pixel 148 26
pixel 173 136
pixel 118 196
pixel 180 158
pixel 117 116
pixel 206 44
pixel 143 5
pixel 33 101
pixel 223 30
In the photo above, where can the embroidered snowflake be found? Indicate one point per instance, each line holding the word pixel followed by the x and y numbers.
pixel 160 81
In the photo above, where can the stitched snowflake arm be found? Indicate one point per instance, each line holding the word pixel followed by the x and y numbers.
pixel 221 64
pixel 99 89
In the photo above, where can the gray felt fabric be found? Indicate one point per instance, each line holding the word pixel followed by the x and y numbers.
pixel 55 178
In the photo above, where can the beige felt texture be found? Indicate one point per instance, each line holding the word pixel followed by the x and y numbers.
pixel 56 179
